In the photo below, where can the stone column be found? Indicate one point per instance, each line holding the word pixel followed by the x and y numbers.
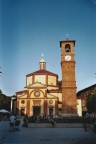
pixel 45 107
pixel 28 107
pixel 56 107
pixel 17 108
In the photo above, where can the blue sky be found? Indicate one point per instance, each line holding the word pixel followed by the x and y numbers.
pixel 29 28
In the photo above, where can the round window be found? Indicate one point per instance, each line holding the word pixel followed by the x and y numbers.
pixel 22 101
pixel 37 93
pixel 50 101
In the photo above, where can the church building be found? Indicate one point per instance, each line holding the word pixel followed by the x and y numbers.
pixel 44 94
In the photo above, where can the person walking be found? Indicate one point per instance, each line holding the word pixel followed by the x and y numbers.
pixel 85 123
pixel 25 120
pixel 12 120
pixel 51 120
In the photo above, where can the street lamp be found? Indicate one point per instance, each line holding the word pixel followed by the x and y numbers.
pixel 0 72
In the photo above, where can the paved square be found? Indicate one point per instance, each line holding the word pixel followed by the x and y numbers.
pixel 33 135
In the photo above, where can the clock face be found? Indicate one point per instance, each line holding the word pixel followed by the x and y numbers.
pixel 37 93
pixel 68 58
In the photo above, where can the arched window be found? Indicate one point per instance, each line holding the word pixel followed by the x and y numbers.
pixel 67 48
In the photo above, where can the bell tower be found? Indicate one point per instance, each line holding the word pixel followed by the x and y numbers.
pixel 69 101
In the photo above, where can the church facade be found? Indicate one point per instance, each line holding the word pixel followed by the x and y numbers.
pixel 44 94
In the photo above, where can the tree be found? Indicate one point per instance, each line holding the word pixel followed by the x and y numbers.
pixel 91 102
pixel 5 101
pixel 0 92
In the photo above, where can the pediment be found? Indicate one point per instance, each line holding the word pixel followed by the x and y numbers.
pixel 36 84
pixel 23 95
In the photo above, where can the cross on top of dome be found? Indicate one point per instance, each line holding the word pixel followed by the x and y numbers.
pixel 42 59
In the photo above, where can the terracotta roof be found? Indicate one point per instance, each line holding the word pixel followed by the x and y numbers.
pixel 86 89
pixel 55 90
pixel 59 102
pixel 23 91
pixel 42 72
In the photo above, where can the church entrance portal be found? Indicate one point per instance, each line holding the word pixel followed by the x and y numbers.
pixel 22 111
pixel 51 110
pixel 36 110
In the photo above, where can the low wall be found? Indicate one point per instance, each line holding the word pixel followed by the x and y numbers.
pixel 59 125
pixel 67 122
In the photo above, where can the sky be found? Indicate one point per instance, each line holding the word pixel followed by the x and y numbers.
pixel 29 28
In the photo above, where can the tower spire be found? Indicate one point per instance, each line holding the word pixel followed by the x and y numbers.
pixel 42 63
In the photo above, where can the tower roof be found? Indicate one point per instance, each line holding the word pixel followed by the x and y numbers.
pixel 42 61
pixel 67 41
pixel 42 72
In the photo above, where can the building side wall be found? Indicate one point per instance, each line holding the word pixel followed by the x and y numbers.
pixel 79 107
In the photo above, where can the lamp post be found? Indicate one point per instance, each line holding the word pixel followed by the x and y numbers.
pixel 0 71
pixel 0 75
